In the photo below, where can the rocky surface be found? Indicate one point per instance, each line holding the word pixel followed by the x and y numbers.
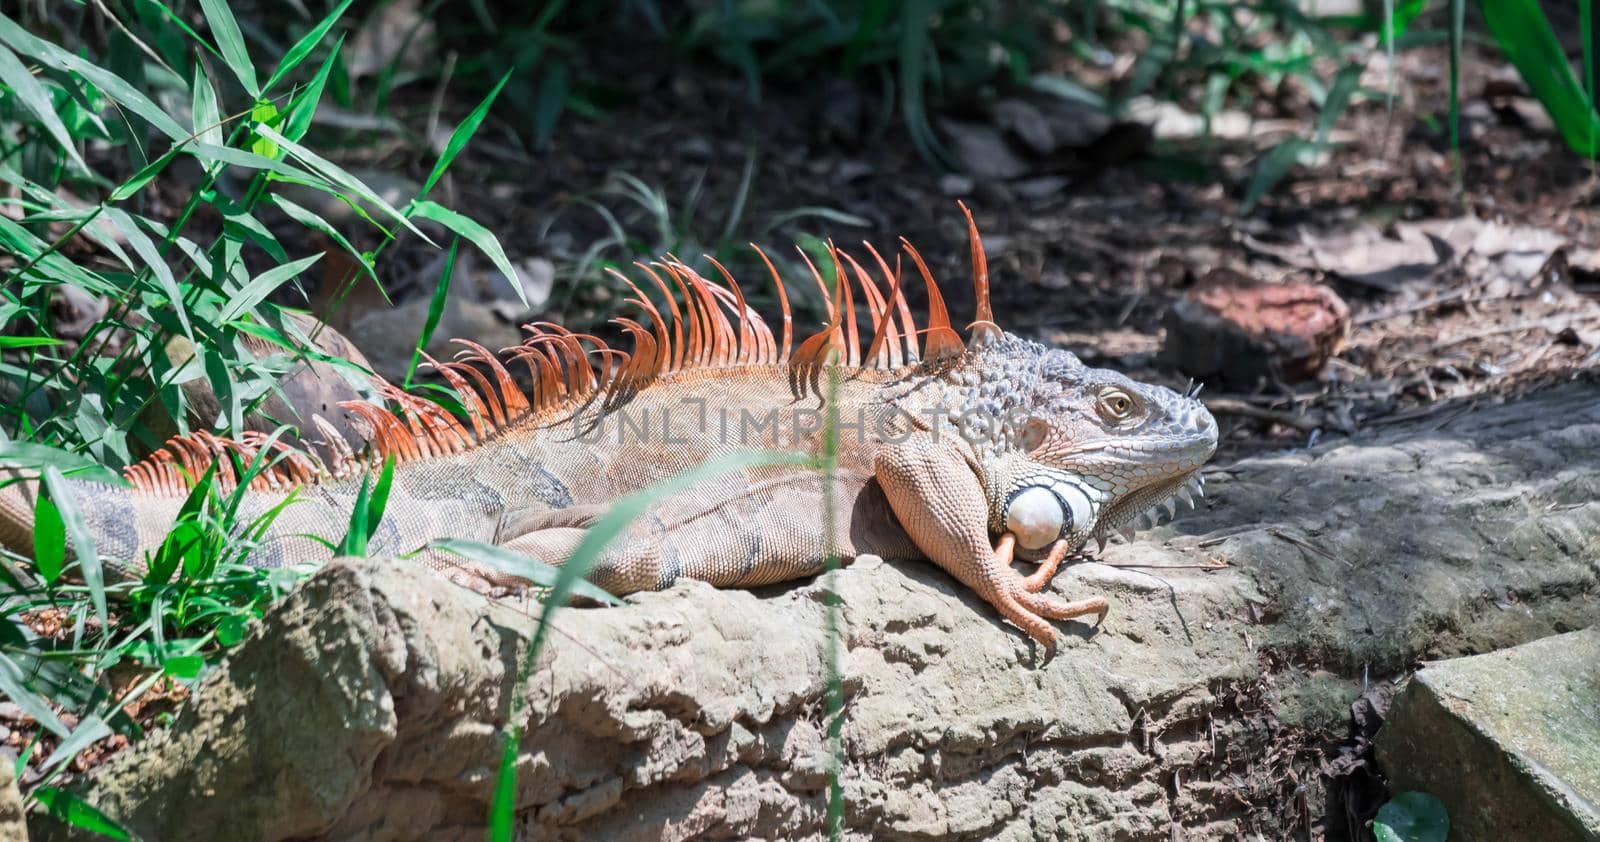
pixel 369 704
pixel 1509 741
pixel 12 826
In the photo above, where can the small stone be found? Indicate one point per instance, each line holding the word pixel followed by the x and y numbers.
pixel 955 184
pixel 1231 328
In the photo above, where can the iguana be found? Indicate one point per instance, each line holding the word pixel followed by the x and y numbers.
pixel 968 453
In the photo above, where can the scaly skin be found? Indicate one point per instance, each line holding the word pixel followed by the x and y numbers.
pixel 943 457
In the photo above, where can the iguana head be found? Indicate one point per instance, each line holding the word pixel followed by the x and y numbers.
pixel 1077 452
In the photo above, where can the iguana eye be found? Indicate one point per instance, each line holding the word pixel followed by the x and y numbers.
pixel 1116 405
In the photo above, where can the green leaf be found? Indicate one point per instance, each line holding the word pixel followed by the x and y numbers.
pixel 1524 34
pixel 261 286
pixel 33 96
pixel 186 667
pixel 317 223
pixel 13 685
pixel 113 85
pixel 73 811
pixel 36 456
pixel 207 114
pixel 537 573
pixel 146 249
pixel 304 106
pixel 476 234
pixel 367 512
pixel 231 42
pixel 336 174
pixel 554 90
pixel 1271 168
pixel 145 175
pixel 1412 817
pixel 90 730
pixel 28 342
pixel 262 114
pixel 308 42
pixel 232 629
pixel 503 810
pixel 462 134
pixel 49 540
pixel 83 549
pixel 623 512
pixel 441 291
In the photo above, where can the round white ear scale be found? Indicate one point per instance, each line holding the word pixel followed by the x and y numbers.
pixel 1035 515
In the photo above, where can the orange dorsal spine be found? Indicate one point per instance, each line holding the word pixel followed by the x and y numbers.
pixel 562 366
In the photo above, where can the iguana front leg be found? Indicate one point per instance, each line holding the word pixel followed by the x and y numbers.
pixel 935 491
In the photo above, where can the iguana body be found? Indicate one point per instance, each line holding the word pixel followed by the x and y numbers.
pixel 966 454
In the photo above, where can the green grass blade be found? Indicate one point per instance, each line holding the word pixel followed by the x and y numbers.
pixel 380 496
pixel 1458 16
pixel 83 549
pixel 49 540
pixel 354 543
pixel 462 134
pixel 623 512
pixel 503 810
pixel 1524 34
pixel 476 234
pixel 231 42
pixel 303 47
pixel 1586 27
pixel 89 731
pixel 1271 169
pixel 595 540
pixel 441 292
pixel 34 97
pixel 36 456
pixel 73 811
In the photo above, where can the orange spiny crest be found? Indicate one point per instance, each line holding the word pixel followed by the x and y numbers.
pixel 983 328
pixel 182 460
pixel 562 364
pixel 943 342
pixel 908 327
pixel 783 303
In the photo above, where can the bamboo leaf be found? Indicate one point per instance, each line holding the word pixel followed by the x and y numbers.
pixel 146 249
pixel 113 85
pixel 308 42
pixel 83 549
pixel 207 114
pixel 34 97
pixel 231 42
pixel 336 174
pixel 476 234
pixel 441 292
pixel 462 134
pixel 261 286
